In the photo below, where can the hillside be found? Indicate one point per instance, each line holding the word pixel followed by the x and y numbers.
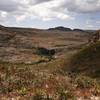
pixel 87 61
pixel 19 45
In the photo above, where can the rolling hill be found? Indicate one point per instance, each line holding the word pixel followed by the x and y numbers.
pixel 20 44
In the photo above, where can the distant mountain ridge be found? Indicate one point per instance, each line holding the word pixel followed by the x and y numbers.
pixel 61 28
pixel 79 30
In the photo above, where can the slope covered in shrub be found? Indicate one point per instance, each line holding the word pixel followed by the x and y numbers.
pixel 87 61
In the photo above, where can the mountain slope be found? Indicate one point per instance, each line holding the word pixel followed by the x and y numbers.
pixel 87 61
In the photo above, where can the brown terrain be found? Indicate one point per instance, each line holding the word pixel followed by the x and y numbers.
pixel 19 45
pixel 52 64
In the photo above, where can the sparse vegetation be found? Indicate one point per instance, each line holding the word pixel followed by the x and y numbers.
pixel 30 71
pixel 86 82
pixel 86 61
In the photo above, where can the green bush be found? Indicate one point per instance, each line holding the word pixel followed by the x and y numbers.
pixel 23 91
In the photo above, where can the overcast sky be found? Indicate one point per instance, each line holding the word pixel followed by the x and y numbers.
pixel 83 14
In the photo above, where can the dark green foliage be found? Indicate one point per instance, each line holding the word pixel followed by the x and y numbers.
pixel 45 52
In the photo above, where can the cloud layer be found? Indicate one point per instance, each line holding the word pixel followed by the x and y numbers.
pixel 46 9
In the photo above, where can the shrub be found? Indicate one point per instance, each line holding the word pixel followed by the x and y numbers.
pixel 46 52
pixel 23 91
pixel 41 95
pixel 86 82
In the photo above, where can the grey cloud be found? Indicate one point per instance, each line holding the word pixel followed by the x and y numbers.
pixel 13 5
pixel 38 1
pixel 83 6
pixel 79 6
pixel 53 7
pixel 92 1
pixel 8 6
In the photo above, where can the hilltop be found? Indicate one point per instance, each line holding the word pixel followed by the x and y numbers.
pixel 60 28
